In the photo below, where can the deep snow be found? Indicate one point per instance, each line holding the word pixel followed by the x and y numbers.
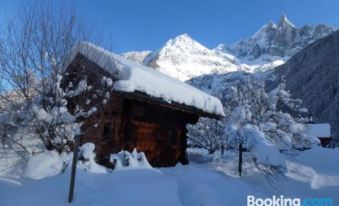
pixel 313 174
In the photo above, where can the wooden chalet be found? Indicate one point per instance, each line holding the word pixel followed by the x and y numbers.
pixel 320 130
pixel 147 110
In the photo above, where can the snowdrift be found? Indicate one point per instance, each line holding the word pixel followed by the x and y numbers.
pixel 212 184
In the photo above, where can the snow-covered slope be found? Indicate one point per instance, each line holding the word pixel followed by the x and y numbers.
pixel 274 43
pixel 184 58
pixel 136 56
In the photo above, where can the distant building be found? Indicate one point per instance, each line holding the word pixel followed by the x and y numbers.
pixel 322 131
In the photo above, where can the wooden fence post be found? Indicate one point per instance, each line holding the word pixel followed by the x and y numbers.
pixel 240 159
pixel 74 167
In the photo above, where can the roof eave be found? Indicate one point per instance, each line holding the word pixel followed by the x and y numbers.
pixel 173 105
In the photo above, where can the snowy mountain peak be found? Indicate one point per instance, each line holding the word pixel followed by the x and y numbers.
pixel 182 43
pixel 183 58
pixel 280 40
pixel 265 32
pixel 271 24
pixel 284 22
pixel 182 38
pixel 136 56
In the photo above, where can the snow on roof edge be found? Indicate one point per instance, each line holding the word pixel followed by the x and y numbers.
pixel 319 129
pixel 135 77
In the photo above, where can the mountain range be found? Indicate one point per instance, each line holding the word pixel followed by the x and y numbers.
pixel 307 57
pixel 184 58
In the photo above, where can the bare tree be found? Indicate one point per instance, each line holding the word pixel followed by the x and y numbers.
pixel 36 47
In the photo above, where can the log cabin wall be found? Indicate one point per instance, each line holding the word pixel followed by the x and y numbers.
pixel 157 130
pixel 104 129
pixel 125 124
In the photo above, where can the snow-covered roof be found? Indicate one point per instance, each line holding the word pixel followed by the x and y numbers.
pixel 132 77
pixel 319 130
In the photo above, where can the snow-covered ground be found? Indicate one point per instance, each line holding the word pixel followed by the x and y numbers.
pixel 312 174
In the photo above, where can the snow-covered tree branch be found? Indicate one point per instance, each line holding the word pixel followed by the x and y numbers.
pixel 207 134
pixel 265 123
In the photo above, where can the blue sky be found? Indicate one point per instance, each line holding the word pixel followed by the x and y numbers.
pixel 148 24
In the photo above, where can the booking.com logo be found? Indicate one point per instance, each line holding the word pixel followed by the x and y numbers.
pixel 283 201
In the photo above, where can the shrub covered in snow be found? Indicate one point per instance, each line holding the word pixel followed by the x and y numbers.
pixel 264 151
pixel 87 159
pixel 127 160
pixel 46 164
pixel 50 163
pixel 206 133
